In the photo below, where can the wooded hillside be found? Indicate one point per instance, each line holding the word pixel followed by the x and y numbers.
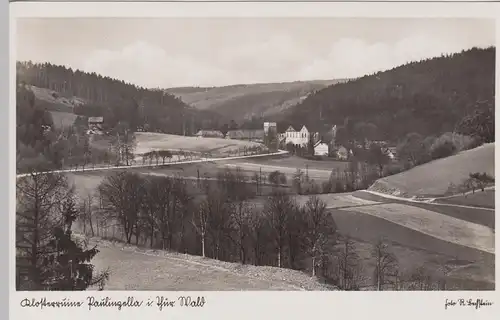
pixel 114 99
pixel 428 97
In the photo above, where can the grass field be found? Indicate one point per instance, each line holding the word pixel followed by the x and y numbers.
pixel 63 119
pixel 439 226
pixel 433 179
pixel 141 269
pixel 147 141
pixel 53 101
pixel 316 170
pixel 484 199
pixel 473 270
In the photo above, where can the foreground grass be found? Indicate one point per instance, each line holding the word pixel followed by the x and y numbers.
pixel 135 268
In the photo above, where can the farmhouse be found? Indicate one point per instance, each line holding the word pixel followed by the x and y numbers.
pixel 391 153
pixel 209 134
pixel 320 149
pixel 95 124
pixel 249 135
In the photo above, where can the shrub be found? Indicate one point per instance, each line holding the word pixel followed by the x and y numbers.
pixel 277 177
pixel 442 148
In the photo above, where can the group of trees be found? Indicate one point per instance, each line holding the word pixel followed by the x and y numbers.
pixel 415 149
pixel 474 182
pixel 224 224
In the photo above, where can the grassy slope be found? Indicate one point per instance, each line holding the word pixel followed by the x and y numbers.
pixel 61 108
pixel 413 249
pixel 241 101
pixel 484 199
pixel 479 216
pixel 141 269
pixel 433 178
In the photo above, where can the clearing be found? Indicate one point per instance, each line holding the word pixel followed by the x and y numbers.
pixel 433 179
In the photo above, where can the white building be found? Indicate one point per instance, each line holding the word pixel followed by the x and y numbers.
pixel 320 149
pixel 297 138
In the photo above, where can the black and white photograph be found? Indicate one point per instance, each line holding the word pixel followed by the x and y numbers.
pixel 255 153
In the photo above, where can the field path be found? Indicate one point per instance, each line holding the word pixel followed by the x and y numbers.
pixel 429 200
pixel 280 152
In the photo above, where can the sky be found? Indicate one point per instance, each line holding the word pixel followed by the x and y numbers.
pixel 175 52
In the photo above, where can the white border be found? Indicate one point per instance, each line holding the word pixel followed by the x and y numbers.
pixel 249 305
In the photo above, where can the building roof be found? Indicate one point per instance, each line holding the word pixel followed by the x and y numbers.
pixel 290 129
pixel 209 132
pixel 246 134
pixel 96 119
pixel 318 143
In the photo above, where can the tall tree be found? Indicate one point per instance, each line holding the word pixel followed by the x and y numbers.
pixel 67 266
pixel 320 229
pixel 277 208
pixel 385 264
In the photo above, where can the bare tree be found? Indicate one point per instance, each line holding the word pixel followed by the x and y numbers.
pixel 258 235
pixel 240 222
pixel 348 263
pixel 123 194
pixel 385 264
pixel 220 219
pixel 200 222
pixel 277 208
pixel 320 229
pixel 150 209
pixel 87 212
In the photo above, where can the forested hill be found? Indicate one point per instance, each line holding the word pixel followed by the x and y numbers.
pixel 428 97
pixel 91 94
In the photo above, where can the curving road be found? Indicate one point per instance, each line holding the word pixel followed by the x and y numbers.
pixel 280 152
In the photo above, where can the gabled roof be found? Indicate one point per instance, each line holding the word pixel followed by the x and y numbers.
pixel 304 127
pixel 290 129
pixel 318 143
